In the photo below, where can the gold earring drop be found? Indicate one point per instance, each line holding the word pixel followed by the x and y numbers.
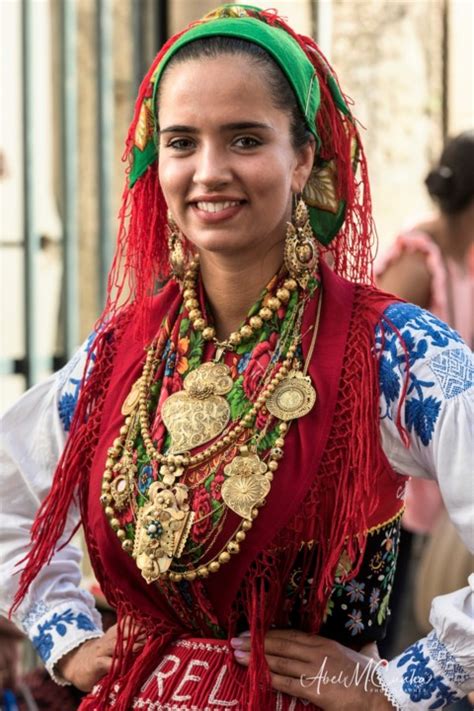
pixel 177 256
pixel 301 251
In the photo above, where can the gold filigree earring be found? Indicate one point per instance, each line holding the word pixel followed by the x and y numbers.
pixel 177 255
pixel 301 251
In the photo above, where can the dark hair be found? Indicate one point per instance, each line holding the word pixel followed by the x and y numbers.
pixel 282 94
pixel 451 183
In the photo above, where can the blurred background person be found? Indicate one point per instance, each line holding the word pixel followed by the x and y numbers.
pixel 432 263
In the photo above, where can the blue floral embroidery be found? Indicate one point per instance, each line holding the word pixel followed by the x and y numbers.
pixel 355 624
pixel 84 622
pixel 419 331
pixel 44 645
pixel 355 590
pixel 454 371
pixel 43 641
pixel 243 363
pixel 389 380
pixel 420 682
pixel 68 401
pixel 410 316
pixel 451 668
pixel 374 600
pixel 145 479
pixel 421 415
pixel 67 404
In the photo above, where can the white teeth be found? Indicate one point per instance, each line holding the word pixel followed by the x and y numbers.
pixel 217 206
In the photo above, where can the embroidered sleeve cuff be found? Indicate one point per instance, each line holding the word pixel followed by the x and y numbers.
pixel 424 676
pixel 56 631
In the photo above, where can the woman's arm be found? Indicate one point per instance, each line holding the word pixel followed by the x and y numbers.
pixel 407 276
pixel 57 614
pixel 437 415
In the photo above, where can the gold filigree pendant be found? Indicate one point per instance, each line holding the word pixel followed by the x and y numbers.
pixel 293 397
pixel 301 251
pixel 162 529
pixel 246 485
pixel 198 413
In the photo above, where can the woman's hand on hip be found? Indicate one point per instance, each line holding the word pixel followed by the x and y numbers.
pixel 320 670
pixel 84 666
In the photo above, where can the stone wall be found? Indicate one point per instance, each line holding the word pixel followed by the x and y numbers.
pixel 88 136
pixel 388 55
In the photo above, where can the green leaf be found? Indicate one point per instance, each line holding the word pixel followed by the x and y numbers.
pixel 328 610
pixel 141 500
pixel 237 400
pixel 130 531
pixel 194 354
pixel 383 609
pixel 195 342
pixel 244 347
pixel 184 327
pixel 268 441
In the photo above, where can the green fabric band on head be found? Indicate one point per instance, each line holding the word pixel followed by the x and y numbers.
pixel 327 212
pixel 283 49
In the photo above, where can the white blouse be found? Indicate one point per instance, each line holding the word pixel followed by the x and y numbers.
pixel 58 615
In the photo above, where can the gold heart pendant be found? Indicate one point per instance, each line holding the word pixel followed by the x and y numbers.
pixel 192 422
pixel 243 493
pixel 198 413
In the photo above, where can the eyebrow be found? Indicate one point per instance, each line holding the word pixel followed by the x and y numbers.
pixel 239 126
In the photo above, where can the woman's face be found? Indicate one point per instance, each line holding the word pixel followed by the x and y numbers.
pixel 227 166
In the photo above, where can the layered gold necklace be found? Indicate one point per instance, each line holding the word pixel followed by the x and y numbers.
pixel 198 417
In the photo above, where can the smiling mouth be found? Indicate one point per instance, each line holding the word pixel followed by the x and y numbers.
pixel 217 206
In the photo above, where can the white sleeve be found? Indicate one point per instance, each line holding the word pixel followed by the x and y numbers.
pixel 437 415
pixel 56 614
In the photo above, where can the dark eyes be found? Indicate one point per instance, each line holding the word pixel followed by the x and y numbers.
pixel 187 144
pixel 181 144
pixel 247 142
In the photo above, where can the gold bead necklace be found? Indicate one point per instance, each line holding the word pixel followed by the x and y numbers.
pixel 164 522
pixel 247 330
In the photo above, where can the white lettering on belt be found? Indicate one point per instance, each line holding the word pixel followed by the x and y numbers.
pixel 213 695
pixel 188 677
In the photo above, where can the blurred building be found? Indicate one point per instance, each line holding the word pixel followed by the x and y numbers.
pixel 70 70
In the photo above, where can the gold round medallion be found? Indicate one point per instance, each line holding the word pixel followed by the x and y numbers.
pixel 132 399
pixel 294 397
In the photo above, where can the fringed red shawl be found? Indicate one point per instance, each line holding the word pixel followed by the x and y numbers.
pixel 333 484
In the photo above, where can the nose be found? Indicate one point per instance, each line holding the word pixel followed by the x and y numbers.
pixel 212 168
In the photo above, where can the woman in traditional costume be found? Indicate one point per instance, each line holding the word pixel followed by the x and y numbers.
pixel 234 441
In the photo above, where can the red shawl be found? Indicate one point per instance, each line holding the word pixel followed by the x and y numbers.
pixel 327 489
